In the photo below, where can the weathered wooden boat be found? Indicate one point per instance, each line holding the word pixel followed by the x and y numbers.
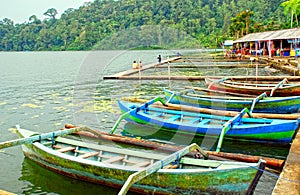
pixel 262 104
pixel 250 129
pixel 112 166
pixel 282 88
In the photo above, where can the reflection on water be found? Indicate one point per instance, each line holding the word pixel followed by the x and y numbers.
pixel 48 182
pixel 44 90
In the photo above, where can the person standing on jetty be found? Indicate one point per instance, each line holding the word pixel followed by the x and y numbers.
pixel 135 65
pixel 159 59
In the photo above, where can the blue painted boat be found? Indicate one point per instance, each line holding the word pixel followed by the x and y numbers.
pixel 283 105
pixel 251 129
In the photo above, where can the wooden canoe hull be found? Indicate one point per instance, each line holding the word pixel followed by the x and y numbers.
pixel 279 131
pixel 165 181
pixel 283 105
pixel 236 87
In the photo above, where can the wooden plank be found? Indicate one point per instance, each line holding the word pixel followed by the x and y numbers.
pixel 114 159
pixel 199 78
pixel 129 161
pixel 142 164
pixel 88 154
pixel 145 67
pixel 2 192
pixel 194 120
pixel 288 181
pixel 137 176
pixel 174 118
pixel 66 149
pixel 110 149
pixel 199 162
pixel 204 121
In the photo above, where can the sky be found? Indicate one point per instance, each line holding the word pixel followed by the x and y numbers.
pixel 20 10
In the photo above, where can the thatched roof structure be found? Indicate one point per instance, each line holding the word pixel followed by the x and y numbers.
pixel 270 35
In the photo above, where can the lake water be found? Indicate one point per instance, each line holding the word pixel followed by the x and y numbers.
pixel 42 91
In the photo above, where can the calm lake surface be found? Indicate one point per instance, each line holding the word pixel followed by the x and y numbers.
pixel 42 91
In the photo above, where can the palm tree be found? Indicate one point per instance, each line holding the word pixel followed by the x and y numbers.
pixel 293 7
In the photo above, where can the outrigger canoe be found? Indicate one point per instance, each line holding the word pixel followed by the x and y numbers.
pixel 282 88
pixel 261 103
pixel 112 166
pixel 251 129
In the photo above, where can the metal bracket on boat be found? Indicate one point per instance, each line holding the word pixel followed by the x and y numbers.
pixel 228 125
pixel 184 92
pixel 261 96
pixel 137 109
pixel 278 85
pixel 217 81
pixel 137 176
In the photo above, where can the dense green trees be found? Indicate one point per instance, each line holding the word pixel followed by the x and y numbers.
pixel 292 7
pixel 206 21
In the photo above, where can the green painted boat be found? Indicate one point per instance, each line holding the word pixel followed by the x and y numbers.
pixel 111 166
pixel 282 88
pixel 283 105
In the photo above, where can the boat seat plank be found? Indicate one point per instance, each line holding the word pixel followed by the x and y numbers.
pixel 170 166
pixel 205 121
pixel 88 154
pixel 66 149
pixel 110 149
pixel 104 156
pixel 142 164
pixel 114 159
pixel 194 120
pixel 130 161
pixel 159 114
pixel 174 118
pixel 199 162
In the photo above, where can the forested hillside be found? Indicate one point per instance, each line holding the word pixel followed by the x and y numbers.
pixel 208 21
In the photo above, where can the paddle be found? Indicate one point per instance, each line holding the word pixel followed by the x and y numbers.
pixel 261 96
pixel 228 125
pixel 277 86
pixel 143 106
pixel 38 137
pixel 137 176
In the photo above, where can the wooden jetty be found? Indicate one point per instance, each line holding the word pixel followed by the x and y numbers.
pixel 135 71
pixel 284 64
pixel 289 179
pixel 2 192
